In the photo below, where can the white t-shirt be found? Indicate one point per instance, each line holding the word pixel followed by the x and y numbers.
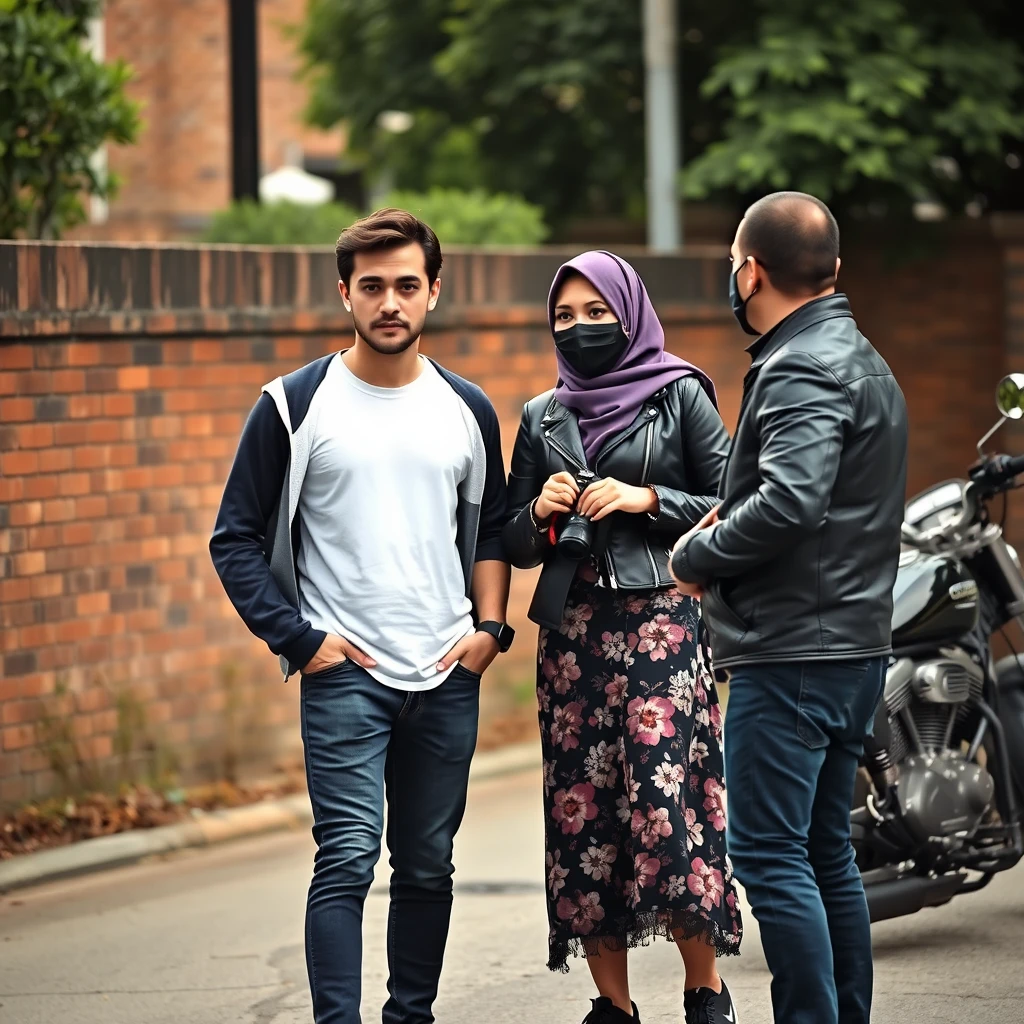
pixel 378 562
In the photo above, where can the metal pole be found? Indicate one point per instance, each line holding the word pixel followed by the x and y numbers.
pixel 664 231
pixel 245 144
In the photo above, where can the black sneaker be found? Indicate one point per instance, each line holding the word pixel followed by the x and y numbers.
pixel 606 1012
pixel 706 1006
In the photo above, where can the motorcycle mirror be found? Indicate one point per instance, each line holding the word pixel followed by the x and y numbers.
pixel 1010 396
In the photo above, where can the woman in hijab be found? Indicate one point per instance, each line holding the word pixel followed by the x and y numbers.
pixel 609 470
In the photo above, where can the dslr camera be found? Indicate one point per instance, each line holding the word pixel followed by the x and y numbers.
pixel 577 535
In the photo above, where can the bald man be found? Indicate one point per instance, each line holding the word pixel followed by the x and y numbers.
pixel 795 572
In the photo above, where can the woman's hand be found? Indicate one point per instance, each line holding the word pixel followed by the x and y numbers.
pixel 558 495
pixel 610 495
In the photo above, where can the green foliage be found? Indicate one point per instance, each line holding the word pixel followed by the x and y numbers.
pixel 458 218
pixel 282 223
pixel 875 102
pixel 474 218
pixel 878 103
pixel 57 107
pixel 528 97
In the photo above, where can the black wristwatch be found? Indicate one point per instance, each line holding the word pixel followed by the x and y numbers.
pixel 501 632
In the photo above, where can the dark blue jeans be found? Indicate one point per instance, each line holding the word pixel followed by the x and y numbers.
pixel 362 740
pixel 793 736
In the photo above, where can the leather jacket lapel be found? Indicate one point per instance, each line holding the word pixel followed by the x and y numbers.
pixel 562 432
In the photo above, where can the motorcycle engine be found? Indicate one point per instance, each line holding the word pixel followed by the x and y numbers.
pixel 942 794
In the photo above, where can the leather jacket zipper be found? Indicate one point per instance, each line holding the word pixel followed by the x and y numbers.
pixel 648 452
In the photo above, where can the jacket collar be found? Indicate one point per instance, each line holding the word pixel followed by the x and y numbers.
pixel 828 307
pixel 562 430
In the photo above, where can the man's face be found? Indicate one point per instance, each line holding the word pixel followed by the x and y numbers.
pixel 389 296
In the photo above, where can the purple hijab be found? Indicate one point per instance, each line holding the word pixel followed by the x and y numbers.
pixel 608 404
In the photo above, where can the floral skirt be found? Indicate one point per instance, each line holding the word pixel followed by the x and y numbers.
pixel 631 732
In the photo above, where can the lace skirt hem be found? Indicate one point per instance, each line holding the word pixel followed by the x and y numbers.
pixel 641 930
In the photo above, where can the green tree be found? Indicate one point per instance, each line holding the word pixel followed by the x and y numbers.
pixel 526 97
pixel 58 105
pixel 872 105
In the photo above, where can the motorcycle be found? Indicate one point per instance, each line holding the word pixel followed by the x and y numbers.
pixel 937 810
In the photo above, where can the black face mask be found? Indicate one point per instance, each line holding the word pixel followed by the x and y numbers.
pixel 592 349
pixel 739 304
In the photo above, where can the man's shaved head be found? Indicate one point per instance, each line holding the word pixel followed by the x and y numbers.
pixel 795 238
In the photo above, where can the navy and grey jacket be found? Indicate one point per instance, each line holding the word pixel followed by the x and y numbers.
pixel 256 537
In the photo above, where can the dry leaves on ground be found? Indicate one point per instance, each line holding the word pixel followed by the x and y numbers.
pixel 57 823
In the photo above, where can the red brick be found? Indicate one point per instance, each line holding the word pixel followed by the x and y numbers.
pixel 27 514
pixel 124 504
pixel 11 490
pixel 93 604
pixel 77 534
pixel 207 351
pixel 15 590
pixel 118 405
pixel 144 620
pixel 44 536
pixel 91 507
pixel 47 586
pixel 65 381
pixel 184 401
pixel 16 357
pixel 72 484
pixel 104 431
pixel 37 636
pixel 83 354
pixel 35 435
pixel 133 378
pixel 40 487
pixel 19 463
pixel 17 737
pixel 73 630
pixel 108 625
pixel 58 511
pixel 82 407
pixel 54 460
pixel 30 563
pixel 91 457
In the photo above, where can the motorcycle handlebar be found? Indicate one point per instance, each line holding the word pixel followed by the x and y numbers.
pixel 994 473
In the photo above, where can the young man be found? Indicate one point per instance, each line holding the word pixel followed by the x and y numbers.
pixel 359 536
pixel 796 572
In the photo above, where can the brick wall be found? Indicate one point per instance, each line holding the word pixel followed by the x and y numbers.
pixel 125 377
pixel 179 172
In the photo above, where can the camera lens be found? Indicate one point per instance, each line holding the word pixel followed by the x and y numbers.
pixel 575 538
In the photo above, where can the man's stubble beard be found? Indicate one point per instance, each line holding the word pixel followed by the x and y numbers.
pixel 389 348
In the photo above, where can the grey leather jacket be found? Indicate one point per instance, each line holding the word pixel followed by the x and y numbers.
pixel 803 561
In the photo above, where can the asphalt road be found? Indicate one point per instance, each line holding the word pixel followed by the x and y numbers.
pixel 215 936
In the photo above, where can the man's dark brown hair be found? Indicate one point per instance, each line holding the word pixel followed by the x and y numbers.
pixel 387 229
pixel 795 238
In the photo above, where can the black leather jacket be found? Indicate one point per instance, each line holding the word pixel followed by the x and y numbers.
pixel 677 444
pixel 802 564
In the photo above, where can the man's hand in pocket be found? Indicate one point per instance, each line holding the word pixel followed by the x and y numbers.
pixel 475 652
pixel 335 650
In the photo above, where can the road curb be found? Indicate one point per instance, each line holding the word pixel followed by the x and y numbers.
pixel 210 828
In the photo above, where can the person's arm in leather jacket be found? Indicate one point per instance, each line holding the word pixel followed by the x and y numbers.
pixel 705 449
pixel 525 546
pixel 801 421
